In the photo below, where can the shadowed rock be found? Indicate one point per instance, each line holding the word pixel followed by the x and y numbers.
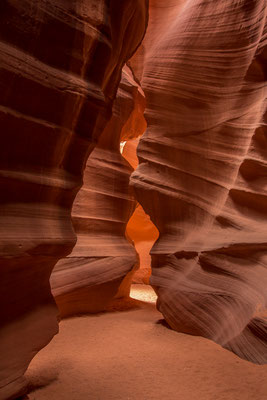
pixel 60 68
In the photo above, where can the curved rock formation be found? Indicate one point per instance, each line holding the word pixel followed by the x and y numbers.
pixel 99 267
pixel 60 68
pixel 140 228
pixel 202 172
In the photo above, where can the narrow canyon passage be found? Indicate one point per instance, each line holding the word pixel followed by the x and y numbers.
pixel 133 152
pixel 129 355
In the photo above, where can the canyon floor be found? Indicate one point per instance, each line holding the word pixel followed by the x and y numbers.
pixel 129 354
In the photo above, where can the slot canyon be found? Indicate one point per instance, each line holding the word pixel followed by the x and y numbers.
pixel 133 202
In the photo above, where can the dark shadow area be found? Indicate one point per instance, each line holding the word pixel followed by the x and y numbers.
pixel 163 323
pixel 117 305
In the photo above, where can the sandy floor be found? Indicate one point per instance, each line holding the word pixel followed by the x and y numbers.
pixel 130 355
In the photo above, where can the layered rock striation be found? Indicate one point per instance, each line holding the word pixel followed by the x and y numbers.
pixel 60 68
pixel 201 178
pixel 140 228
pixel 102 262
pixel 202 173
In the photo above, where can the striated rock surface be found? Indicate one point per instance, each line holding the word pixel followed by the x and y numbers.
pixel 60 68
pixel 140 228
pixel 202 173
pixel 101 263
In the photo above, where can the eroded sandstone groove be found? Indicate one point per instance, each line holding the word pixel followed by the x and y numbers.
pixel 201 178
pixel 102 262
pixel 202 172
pixel 60 68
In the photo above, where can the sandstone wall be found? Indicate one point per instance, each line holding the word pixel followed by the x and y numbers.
pixel 202 172
pixel 60 68
pixel 140 228
pixel 102 262
pixel 201 178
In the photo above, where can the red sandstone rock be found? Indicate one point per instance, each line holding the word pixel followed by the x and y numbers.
pixel 101 263
pixel 202 172
pixel 201 178
pixel 60 69
pixel 144 234
pixel 139 228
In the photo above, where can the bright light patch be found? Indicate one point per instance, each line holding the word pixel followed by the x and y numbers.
pixel 122 144
pixel 143 293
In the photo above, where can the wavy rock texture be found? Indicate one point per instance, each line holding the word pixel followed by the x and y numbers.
pixel 202 173
pixel 60 67
pixel 101 263
pixel 140 228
